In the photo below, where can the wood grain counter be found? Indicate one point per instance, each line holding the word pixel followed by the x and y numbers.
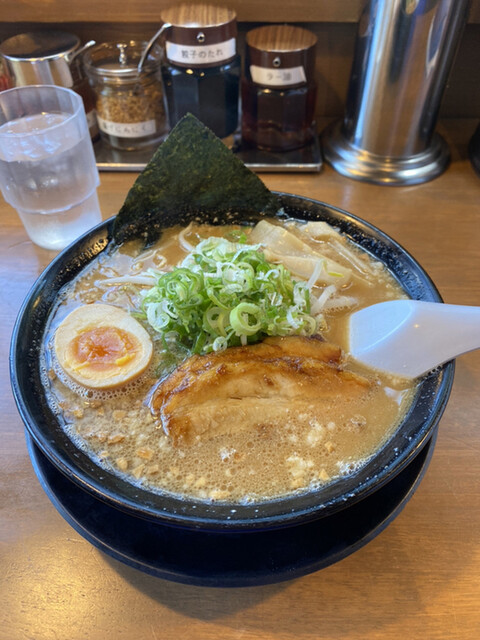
pixel 419 579
pixel 129 11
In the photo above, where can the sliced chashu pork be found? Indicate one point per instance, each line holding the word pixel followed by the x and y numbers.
pixel 253 387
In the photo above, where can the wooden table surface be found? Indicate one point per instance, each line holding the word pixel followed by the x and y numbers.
pixel 420 578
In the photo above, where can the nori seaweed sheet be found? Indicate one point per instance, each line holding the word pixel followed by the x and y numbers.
pixel 192 174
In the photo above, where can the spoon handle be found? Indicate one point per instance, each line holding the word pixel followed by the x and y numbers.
pixel 411 337
pixel 457 325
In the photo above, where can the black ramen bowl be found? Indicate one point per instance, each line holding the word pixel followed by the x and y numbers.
pixel 415 431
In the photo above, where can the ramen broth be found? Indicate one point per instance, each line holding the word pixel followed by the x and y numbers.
pixel 305 450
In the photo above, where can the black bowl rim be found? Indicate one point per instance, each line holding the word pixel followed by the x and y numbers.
pixel 401 448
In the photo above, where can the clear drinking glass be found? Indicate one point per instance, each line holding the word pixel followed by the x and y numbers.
pixel 47 164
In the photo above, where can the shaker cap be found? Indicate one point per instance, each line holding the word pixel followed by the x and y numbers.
pixel 288 52
pixel 200 34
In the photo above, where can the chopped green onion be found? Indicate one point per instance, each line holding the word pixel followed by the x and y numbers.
pixel 226 294
pixel 241 319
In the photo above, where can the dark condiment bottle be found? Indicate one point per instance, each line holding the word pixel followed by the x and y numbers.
pixel 279 89
pixel 201 71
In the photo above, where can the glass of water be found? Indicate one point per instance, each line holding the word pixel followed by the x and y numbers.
pixel 47 165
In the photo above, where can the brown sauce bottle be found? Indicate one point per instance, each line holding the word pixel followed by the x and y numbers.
pixel 279 88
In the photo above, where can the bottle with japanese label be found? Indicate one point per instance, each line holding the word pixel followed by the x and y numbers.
pixel 129 103
pixel 201 70
pixel 279 88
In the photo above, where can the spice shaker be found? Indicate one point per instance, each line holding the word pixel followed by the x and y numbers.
pixel 129 103
pixel 279 88
pixel 49 57
pixel 201 71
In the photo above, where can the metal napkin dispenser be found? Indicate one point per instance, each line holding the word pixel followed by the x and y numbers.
pixel 404 52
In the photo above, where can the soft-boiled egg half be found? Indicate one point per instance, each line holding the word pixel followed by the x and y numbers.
pixel 102 347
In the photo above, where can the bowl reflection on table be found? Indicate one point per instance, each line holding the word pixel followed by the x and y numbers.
pixel 415 431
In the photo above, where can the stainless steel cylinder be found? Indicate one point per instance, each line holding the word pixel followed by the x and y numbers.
pixel 404 52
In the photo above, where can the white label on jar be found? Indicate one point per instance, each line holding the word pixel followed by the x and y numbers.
pixel 201 55
pixel 277 77
pixel 127 129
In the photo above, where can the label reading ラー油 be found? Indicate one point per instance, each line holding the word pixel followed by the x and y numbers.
pixel 268 77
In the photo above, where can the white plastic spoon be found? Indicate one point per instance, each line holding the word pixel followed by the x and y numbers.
pixel 411 337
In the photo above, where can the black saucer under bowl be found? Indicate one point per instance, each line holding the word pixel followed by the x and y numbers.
pixel 228 558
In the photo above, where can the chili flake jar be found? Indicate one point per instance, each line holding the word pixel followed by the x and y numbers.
pixel 279 89
pixel 129 104
pixel 201 71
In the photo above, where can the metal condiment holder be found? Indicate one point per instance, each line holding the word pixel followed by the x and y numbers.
pixel 40 57
pixel 403 55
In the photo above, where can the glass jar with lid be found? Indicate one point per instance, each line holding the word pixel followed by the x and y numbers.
pixel 201 71
pixel 129 103
pixel 279 88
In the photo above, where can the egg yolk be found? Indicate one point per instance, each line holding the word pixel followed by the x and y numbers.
pixel 102 347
